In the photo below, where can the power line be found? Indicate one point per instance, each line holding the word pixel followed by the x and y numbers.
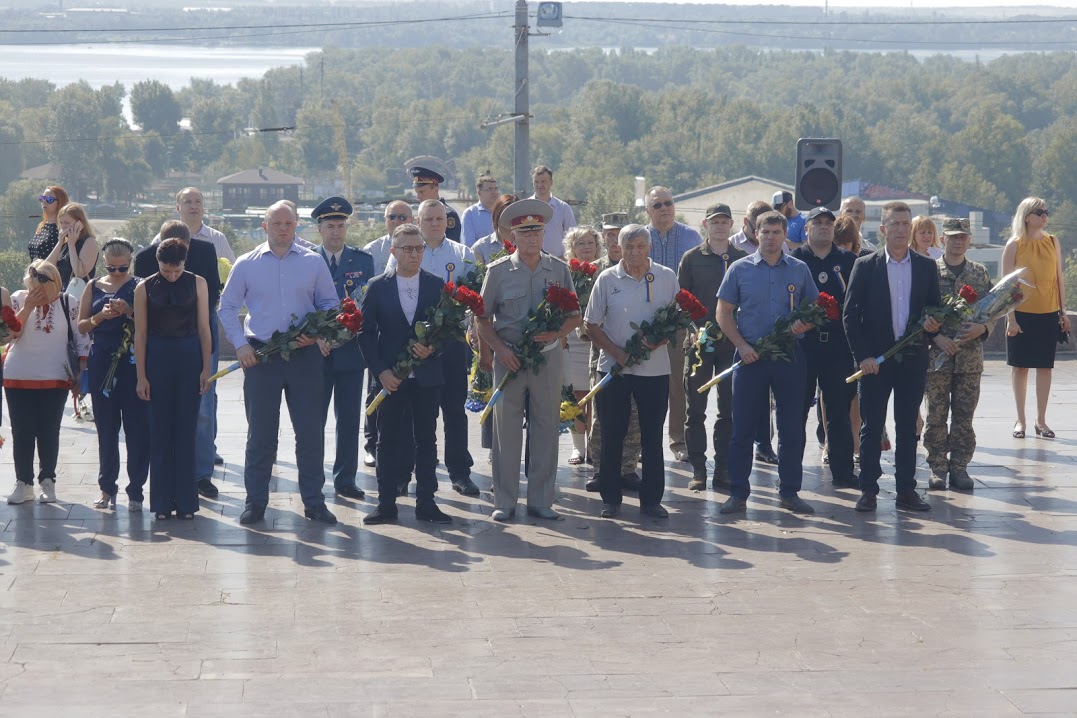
pixel 839 23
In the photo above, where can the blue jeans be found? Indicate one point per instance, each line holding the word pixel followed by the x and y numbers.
pixel 205 442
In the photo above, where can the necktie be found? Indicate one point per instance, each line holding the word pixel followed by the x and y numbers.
pixel 333 264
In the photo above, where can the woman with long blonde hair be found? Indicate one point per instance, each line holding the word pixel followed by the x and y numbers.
pixel 75 253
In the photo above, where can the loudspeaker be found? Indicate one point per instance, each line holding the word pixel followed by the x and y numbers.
pixel 818 176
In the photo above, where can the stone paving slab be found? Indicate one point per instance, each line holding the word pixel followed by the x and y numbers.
pixel 970 610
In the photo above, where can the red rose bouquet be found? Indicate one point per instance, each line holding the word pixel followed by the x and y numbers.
pixel 336 326
pixel 583 279
pixel 443 324
pixel 9 323
pixel 781 341
pixel 682 313
pixel 548 316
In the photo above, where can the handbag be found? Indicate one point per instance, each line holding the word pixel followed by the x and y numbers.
pixel 72 347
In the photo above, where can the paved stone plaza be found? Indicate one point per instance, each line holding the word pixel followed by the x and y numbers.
pixel 969 610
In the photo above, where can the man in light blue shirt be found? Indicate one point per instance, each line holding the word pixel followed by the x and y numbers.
pixel 756 292
pixel 274 281
pixel 449 261
pixel 794 235
pixel 477 220
pixel 670 240
pixel 563 219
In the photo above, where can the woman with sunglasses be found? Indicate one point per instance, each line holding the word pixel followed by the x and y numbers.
pixel 75 254
pixel 172 359
pixel 1032 334
pixel 37 377
pixel 47 235
pixel 106 315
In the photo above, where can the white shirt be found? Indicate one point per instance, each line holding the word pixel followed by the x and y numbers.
pixel 408 290
pixel 553 241
pixel 448 262
pixel 379 250
pixel 217 239
pixel 336 256
pixel 619 300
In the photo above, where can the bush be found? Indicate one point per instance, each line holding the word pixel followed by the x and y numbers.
pixel 13 264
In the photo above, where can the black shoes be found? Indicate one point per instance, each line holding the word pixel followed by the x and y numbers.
pixel 734 505
pixel 846 482
pixel 609 511
pixel 655 511
pixel 464 485
pixel 381 515
pixel 350 492
pixel 796 504
pixel 766 455
pixel 207 489
pixel 252 514
pixel 432 514
pixel 218 460
pixel 592 485
pixel 912 502
pixel 867 502
pixel 402 488
pixel 631 482
pixel 320 514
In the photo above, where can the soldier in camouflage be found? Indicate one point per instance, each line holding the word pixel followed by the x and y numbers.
pixel 611 226
pixel 953 390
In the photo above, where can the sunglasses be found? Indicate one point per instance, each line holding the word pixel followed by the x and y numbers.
pixel 39 277
pixel 660 205
pixel 1040 212
pixel 121 270
pixel 46 199
pixel 397 217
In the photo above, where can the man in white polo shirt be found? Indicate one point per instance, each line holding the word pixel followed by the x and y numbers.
pixel 630 293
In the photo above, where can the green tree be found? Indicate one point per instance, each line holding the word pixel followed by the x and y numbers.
pixel 19 214
pixel 155 108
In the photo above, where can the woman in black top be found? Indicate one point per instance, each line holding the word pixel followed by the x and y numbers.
pixel 75 254
pixel 48 234
pixel 172 360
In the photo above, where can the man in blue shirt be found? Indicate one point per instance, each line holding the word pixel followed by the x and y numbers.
pixel 274 281
pixel 477 220
pixel 670 240
pixel 758 291
pixel 794 236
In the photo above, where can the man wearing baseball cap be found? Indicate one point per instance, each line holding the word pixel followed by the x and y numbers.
pixel 783 202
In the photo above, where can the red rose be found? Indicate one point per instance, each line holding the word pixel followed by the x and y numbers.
pixel 829 305
pixel 687 301
pixel 470 299
pixel 588 269
pixel 562 298
pixel 449 288
pixel 348 306
pixel 8 316
pixel 969 294
pixel 509 247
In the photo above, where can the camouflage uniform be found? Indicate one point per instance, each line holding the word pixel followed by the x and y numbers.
pixel 633 442
pixel 954 390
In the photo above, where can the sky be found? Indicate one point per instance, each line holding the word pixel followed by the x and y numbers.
pixel 876 4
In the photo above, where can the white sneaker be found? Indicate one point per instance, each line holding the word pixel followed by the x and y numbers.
pixel 21 494
pixel 48 492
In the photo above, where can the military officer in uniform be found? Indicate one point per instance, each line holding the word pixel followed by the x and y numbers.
pixel 954 389
pixel 828 357
pixel 351 269
pixel 612 223
pixel 427 184
pixel 514 286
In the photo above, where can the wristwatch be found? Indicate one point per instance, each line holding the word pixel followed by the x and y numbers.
pixel 93 319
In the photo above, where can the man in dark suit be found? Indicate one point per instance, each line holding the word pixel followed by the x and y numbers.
pixel 351 270
pixel 888 292
pixel 202 261
pixel 393 303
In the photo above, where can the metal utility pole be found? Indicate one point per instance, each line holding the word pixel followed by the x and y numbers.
pixel 522 154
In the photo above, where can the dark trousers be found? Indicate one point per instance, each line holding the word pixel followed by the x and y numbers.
pixel 302 383
pixel 752 385
pixel 35 416
pixel 695 425
pixel 370 423
pixel 345 390
pixel 828 363
pixel 651 394
pixel 905 379
pixel 121 407
pixel 410 411
pixel 455 364
pixel 173 365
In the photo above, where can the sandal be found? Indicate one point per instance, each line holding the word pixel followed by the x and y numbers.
pixel 1019 433
pixel 1044 431
pixel 576 458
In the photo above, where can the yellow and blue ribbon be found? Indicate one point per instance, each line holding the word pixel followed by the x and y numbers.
pixel 448 271
pixel 648 278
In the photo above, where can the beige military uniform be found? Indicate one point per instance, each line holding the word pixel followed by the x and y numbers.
pixel 510 292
